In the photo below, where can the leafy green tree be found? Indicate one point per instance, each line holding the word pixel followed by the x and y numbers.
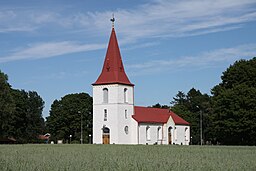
pixel 20 113
pixel 65 117
pixel 189 106
pixel 234 104
pixel 27 121
pixel 6 106
pixel 158 105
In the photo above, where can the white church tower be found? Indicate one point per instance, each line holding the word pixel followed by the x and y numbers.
pixel 113 100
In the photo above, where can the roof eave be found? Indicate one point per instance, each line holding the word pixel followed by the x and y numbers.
pixel 151 122
pixel 181 124
pixel 104 83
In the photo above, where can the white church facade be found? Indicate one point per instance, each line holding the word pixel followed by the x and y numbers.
pixel 116 120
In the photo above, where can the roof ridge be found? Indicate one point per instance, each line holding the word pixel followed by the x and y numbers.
pixel 157 115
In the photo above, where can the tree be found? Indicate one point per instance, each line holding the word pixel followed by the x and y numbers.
pixel 234 104
pixel 158 105
pixel 189 106
pixel 20 113
pixel 6 105
pixel 27 121
pixel 66 114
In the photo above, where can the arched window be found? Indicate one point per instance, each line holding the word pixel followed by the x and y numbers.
pixel 175 133
pixel 105 115
pixel 125 95
pixel 186 134
pixel 170 135
pixel 126 129
pixel 148 133
pixel 105 95
pixel 159 133
pixel 106 130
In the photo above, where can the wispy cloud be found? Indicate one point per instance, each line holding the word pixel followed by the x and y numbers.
pixel 202 60
pixel 17 29
pixel 155 19
pixel 13 20
pixel 179 18
pixel 62 75
pixel 51 49
pixel 143 45
pixel 158 18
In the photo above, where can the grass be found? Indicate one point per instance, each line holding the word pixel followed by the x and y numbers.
pixel 125 157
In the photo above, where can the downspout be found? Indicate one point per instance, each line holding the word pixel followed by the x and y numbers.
pixel 162 134
pixel 138 132
pixel 134 113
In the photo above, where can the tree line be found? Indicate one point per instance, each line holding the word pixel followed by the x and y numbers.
pixel 228 114
pixel 20 113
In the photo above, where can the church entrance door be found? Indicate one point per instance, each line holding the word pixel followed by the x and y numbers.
pixel 105 139
pixel 106 136
pixel 170 138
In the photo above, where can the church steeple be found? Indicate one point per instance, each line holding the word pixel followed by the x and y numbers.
pixel 113 69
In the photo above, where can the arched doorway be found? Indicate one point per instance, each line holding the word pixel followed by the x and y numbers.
pixel 170 135
pixel 105 135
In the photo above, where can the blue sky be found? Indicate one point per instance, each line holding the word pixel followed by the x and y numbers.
pixel 58 47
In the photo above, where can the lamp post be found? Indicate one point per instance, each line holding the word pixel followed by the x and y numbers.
pixel 70 136
pixel 81 126
pixel 201 126
pixel 90 138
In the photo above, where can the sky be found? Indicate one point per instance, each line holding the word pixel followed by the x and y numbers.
pixel 58 47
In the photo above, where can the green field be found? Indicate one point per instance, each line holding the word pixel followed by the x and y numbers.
pixel 125 157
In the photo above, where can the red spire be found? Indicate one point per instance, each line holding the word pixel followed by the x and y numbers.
pixel 113 69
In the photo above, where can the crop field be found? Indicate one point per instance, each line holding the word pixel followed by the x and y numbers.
pixel 125 157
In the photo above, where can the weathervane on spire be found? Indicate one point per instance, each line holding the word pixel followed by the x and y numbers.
pixel 113 20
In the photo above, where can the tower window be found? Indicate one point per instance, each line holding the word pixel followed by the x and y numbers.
pixel 125 114
pixel 105 115
pixel 125 95
pixel 105 95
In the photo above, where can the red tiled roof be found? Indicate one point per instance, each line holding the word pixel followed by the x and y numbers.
pixel 113 69
pixel 43 137
pixel 178 120
pixel 7 139
pixel 156 115
pixel 148 114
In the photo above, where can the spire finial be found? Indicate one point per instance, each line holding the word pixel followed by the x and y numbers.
pixel 113 20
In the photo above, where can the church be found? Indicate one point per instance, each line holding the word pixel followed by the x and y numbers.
pixel 116 120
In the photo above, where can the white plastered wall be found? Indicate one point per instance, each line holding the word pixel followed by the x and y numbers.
pixel 155 136
pixel 116 120
pixel 183 135
pixel 180 133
